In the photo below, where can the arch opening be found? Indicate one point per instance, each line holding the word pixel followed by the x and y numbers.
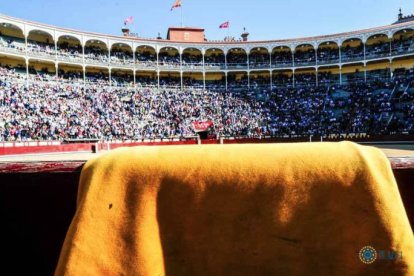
pixel 282 78
pixel 192 57
pixel 305 55
pixel 121 54
pixel 97 76
pixel 237 81
pixel 305 77
pixel 96 51
pixel 145 56
pixel 41 43
pixel 352 50
pixel 259 58
pixel 328 52
pixel 69 48
pixel 215 81
pixel 193 79
pixel 146 78
pixel 214 59
pixel 403 42
pixel 170 79
pixel 169 57
pixel 377 46
pixel 236 58
pixel 282 57
pixel 12 38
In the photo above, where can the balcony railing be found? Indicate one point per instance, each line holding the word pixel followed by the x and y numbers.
pixel 259 65
pixel 35 50
pixel 236 66
pixel 304 62
pixel 214 66
pixel 353 57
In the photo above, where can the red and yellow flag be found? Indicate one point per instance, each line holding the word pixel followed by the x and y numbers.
pixel 177 4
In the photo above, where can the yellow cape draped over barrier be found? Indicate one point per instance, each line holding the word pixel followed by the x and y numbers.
pixel 272 209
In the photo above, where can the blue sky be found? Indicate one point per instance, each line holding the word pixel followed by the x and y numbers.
pixel 264 19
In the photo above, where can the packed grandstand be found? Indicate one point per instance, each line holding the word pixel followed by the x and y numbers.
pixel 60 84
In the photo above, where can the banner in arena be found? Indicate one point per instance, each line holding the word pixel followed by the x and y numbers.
pixel 202 126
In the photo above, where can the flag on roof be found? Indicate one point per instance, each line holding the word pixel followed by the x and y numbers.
pixel 225 25
pixel 129 20
pixel 177 4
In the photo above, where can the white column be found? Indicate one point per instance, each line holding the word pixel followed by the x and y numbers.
pixel 133 58
pixel 271 80
pixel 158 75
pixel 248 60
pixel 56 49
pixel 365 54
pixel 390 68
pixel 27 71
pixel 270 60
pixel 181 79
pixel 204 70
pixel 248 79
pixel 340 55
pixel 365 72
pixel 226 79
pixel 390 47
pixel 26 56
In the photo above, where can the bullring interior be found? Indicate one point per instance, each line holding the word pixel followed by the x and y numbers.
pixel 331 64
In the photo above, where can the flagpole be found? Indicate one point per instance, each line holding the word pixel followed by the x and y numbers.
pixel 228 30
pixel 182 25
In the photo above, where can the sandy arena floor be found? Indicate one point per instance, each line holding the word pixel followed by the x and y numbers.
pixel 394 150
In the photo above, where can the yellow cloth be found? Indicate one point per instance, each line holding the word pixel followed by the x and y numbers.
pixel 237 210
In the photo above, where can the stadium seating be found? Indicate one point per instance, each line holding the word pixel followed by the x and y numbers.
pixel 47 108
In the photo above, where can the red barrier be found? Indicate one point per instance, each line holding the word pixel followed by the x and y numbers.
pixel 35 148
pixel 15 150
pixel 134 144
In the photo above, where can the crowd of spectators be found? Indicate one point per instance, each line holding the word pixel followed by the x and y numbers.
pixel 13 43
pixel 66 50
pixel 46 109
pixel 96 53
pixel 169 60
pixel 120 56
pixel 41 48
